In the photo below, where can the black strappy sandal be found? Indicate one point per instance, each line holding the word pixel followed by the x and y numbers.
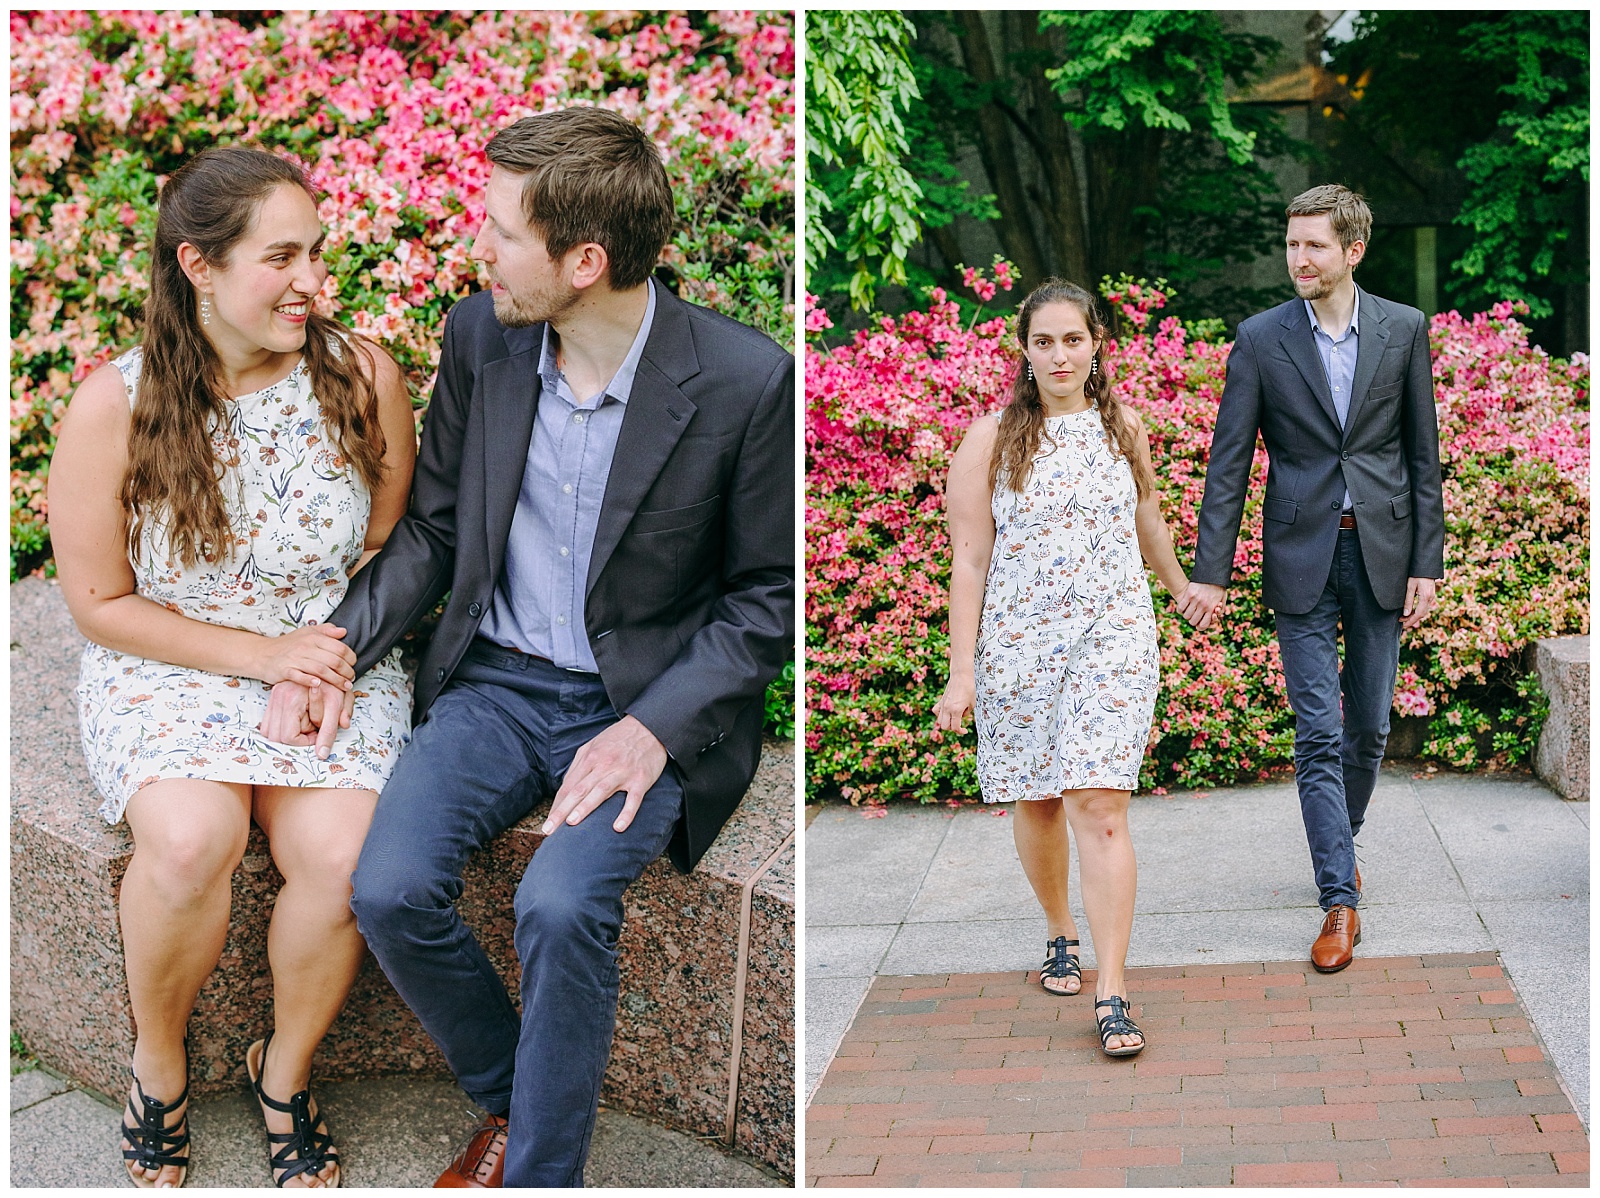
pixel 309 1147
pixel 1059 963
pixel 1118 1023
pixel 155 1145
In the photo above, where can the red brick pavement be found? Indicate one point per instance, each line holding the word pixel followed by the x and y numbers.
pixel 1414 1071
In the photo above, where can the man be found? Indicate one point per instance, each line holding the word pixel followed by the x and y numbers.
pixel 1340 386
pixel 605 487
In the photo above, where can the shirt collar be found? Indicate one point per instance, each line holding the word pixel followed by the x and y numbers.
pixel 621 385
pixel 1355 318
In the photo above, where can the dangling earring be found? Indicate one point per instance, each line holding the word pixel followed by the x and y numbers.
pixel 1030 372
pixel 205 309
pixel 1094 367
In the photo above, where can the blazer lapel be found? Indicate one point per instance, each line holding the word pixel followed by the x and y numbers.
pixel 1370 343
pixel 1302 350
pixel 657 414
pixel 510 400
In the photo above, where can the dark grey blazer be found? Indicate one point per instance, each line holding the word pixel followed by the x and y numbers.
pixel 1387 455
pixel 690 599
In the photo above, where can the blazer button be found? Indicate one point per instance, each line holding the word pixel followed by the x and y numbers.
pixel 1334 505
pixel 476 609
pixel 441 673
pixel 1343 456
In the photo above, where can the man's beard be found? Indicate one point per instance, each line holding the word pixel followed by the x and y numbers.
pixel 518 312
pixel 1323 286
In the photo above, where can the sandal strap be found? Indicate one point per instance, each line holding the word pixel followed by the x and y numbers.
pixel 1119 1022
pixel 1059 963
pixel 154 1143
pixel 309 1146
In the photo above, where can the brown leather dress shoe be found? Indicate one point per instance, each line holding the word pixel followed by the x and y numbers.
pixel 1335 947
pixel 1358 881
pixel 482 1163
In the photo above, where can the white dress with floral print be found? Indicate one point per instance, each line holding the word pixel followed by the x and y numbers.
pixel 299 515
pixel 1067 666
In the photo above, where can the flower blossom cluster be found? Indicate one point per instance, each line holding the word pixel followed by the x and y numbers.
pixel 390 111
pixel 885 412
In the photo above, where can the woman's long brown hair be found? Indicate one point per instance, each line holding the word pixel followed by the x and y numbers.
pixel 174 477
pixel 1022 422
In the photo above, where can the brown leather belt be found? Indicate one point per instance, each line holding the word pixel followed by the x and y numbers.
pixel 520 652
pixel 1347 520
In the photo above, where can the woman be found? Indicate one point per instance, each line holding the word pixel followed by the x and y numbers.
pixel 212 490
pixel 1052 632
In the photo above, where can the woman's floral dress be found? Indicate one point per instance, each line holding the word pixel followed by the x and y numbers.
pixel 1067 666
pixel 299 515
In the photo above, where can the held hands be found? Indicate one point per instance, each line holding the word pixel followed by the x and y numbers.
pixel 308 655
pixel 1420 594
pixel 955 705
pixel 625 757
pixel 1201 604
pixel 298 715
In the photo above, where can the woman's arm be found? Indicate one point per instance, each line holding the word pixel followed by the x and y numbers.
pixel 1155 538
pixel 400 449
pixel 88 532
pixel 968 508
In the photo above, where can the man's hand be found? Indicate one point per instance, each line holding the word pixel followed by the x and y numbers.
pixel 297 715
pixel 1419 601
pixel 1201 603
pixel 625 757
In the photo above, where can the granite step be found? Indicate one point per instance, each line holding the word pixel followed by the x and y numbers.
pixel 691 1051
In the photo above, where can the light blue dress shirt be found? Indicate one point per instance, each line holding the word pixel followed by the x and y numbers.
pixel 539 605
pixel 1338 356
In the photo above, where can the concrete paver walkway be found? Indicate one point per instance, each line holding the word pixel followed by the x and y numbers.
pixel 1413 1070
pixel 390 1131
pixel 1451 863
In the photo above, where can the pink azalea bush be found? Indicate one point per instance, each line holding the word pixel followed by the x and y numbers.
pixel 885 412
pixel 390 111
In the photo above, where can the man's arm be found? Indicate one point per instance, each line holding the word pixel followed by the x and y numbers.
pixel 1233 447
pixel 403 582
pixel 1419 433
pixel 729 661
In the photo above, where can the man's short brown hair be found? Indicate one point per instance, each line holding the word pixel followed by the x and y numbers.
pixel 1351 218
pixel 591 175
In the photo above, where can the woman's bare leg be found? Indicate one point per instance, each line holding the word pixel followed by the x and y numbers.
pixel 1044 848
pixel 313 944
pixel 188 836
pixel 1110 881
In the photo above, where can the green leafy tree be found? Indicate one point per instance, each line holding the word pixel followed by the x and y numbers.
pixel 1108 141
pixel 1529 184
pixel 859 83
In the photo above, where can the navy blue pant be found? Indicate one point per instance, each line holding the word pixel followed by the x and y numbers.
pixel 498 740
pixel 1336 758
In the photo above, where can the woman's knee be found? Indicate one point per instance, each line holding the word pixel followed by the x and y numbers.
pixel 1099 813
pixel 188 853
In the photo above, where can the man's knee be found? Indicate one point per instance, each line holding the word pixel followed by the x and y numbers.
pixel 554 913
pixel 393 899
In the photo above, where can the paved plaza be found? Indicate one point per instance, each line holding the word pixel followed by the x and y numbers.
pixel 1454 1050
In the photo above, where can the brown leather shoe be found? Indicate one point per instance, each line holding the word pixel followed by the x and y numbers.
pixel 1341 932
pixel 482 1163
pixel 1358 881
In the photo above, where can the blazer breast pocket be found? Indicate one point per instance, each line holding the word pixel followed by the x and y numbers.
pixel 673 519
pixel 1281 510
pixel 1387 391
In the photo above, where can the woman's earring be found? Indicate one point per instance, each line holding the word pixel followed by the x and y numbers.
pixel 1030 372
pixel 1094 366
pixel 205 309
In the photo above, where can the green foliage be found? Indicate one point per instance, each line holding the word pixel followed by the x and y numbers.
pixel 858 83
pixel 1530 184
pixel 21 1059
pixel 1162 69
pixel 780 704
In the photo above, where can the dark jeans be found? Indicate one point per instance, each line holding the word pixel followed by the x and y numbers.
pixel 1336 759
pixel 496 741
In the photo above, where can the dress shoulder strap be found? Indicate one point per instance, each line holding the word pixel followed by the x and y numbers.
pixel 130 365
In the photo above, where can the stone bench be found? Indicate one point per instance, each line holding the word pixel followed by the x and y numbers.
pixel 1562 755
pixel 701 1044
